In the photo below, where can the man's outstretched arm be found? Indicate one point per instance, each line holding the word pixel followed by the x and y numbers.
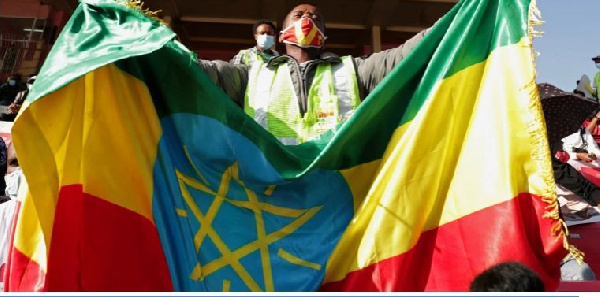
pixel 233 79
pixel 373 69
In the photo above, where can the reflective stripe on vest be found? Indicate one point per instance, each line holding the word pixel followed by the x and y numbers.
pixel 249 56
pixel 246 58
pixel 346 87
pixel 272 101
pixel 597 82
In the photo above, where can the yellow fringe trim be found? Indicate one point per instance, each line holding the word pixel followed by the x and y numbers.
pixel 139 6
pixel 538 134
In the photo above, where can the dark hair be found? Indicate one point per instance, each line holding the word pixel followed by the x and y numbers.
pixel 16 76
pixel 263 22
pixel 507 277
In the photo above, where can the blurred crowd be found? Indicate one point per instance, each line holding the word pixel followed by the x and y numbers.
pixel 13 94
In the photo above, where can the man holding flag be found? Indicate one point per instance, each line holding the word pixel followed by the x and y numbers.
pixel 398 197
pixel 306 92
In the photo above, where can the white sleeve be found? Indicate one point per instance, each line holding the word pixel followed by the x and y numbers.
pixel 571 142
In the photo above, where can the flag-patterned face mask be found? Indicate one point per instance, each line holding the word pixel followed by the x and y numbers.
pixel 303 33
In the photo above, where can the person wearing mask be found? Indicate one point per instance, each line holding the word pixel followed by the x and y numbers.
pixel 10 89
pixel 14 177
pixel 21 96
pixel 307 91
pixel 264 34
pixel 581 145
pixel 15 106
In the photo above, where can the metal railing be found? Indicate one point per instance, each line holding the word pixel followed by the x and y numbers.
pixel 15 48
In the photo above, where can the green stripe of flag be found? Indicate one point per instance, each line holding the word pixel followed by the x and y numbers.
pixel 463 37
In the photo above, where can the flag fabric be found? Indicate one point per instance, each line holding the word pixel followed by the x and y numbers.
pixel 143 175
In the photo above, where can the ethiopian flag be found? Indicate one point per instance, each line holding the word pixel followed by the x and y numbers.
pixel 144 176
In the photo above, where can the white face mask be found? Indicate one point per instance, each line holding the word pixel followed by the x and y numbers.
pixel 598 65
pixel 12 82
pixel 29 86
pixel 265 41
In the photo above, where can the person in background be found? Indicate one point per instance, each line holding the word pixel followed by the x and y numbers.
pixel 264 34
pixel 593 88
pixel 580 146
pixel 15 106
pixel 507 277
pixel 10 89
pixel 577 146
pixel 595 130
pixel 571 270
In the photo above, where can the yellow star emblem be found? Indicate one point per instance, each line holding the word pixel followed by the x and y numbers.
pixel 263 241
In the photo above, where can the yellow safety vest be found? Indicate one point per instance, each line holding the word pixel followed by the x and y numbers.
pixel 272 101
pixel 597 82
pixel 249 56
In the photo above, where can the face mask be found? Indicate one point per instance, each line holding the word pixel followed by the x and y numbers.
pixel 598 66
pixel 12 82
pixel 265 41
pixel 29 86
pixel 303 33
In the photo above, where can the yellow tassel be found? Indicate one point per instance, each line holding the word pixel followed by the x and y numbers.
pixel 559 228
pixel 566 230
pixel 139 6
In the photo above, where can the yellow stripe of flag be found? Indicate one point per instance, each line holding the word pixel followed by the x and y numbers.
pixel 452 172
pixel 104 169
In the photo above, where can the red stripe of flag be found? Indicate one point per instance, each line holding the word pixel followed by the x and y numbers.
pixel 96 246
pixel 448 257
